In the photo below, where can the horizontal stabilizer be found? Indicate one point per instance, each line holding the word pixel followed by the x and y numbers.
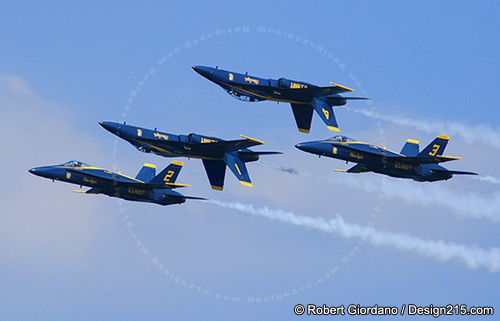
pixel 228 145
pixel 195 198
pixel 453 172
pixel 260 153
pixel 331 90
pixel 426 159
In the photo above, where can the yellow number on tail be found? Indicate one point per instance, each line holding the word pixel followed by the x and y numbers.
pixel 434 150
pixel 326 112
pixel 168 176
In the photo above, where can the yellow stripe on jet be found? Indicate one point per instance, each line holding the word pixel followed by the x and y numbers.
pixel 343 87
pixel 253 139
pixel 246 183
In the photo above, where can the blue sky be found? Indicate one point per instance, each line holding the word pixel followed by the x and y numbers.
pixel 431 68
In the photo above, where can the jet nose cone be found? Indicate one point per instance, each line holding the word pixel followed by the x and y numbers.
pixel 39 171
pixel 204 71
pixel 307 147
pixel 110 126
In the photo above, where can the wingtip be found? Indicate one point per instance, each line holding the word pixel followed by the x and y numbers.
pixel 335 129
pixel 246 184
pixel 343 87
pixel 253 139
pixel 217 188
pixel 305 131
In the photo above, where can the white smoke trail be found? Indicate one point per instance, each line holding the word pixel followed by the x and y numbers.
pixel 468 205
pixel 470 134
pixel 486 178
pixel 471 256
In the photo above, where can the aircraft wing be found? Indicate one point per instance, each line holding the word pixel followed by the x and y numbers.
pixel 216 171
pixel 121 179
pixel 453 172
pixel 359 168
pixel 90 191
pixel 325 112
pixel 303 116
pixel 331 90
pixel 229 145
pixel 105 175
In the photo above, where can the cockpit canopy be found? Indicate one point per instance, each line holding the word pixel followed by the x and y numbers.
pixel 340 138
pixel 75 163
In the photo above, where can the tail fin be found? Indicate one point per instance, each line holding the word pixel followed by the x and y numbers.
pixel 147 172
pixel 169 174
pixel 238 168
pixel 410 148
pixel 436 147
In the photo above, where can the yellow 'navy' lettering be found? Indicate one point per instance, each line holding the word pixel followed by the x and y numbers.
pixel 68 175
pixel 251 80
pixel 295 85
pixel 139 132
pixel 208 140
pixel 326 113
pixel 231 77
pixel 434 150
pixel 403 166
pixel 136 191
pixel 158 135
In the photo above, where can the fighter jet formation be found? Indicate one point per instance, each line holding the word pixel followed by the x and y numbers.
pixel 217 154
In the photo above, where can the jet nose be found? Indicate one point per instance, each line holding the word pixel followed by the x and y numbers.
pixel 39 171
pixel 309 147
pixel 110 126
pixel 204 71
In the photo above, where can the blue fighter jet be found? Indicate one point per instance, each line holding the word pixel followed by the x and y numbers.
pixel 145 187
pixel 409 163
pixel 215 153
pixel 304 97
